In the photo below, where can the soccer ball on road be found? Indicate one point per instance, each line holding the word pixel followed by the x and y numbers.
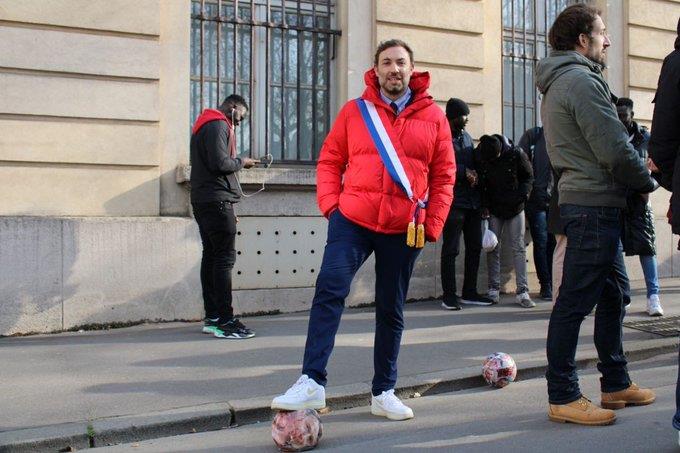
pixel 499 369
pixel 296 430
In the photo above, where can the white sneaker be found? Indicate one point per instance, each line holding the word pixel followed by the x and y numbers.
pixel 525 301
pixel 654 306
pixel 304 394
pixel 494 295
pixel 388 405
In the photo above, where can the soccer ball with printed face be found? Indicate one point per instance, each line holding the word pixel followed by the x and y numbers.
pixel 296 430
pixel 499 369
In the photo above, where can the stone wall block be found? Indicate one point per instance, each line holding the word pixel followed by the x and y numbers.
pixel 30 275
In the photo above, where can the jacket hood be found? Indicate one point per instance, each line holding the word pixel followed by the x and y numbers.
pixel 506 143
pixel 207 116
pixel 559 62
pixel 419 83
pixel 677 40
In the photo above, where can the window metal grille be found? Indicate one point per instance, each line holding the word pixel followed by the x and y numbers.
pixel 525 29
pixel 277 54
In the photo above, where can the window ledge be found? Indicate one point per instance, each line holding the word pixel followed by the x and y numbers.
pixel 273 176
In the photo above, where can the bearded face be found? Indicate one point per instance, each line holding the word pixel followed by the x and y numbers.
pixel 598 42
pixel 394 71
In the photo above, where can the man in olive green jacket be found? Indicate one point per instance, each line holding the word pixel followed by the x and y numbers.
pixel 589 150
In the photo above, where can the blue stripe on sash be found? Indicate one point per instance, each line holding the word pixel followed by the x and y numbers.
pixel 384 155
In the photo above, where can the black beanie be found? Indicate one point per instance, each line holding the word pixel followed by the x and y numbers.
pixel 489 147
pixel 456 107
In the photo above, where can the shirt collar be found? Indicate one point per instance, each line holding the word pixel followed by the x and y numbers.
pixel 401 102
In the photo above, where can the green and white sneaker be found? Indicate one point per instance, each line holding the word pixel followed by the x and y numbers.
pixel 233 330
pixel 211 325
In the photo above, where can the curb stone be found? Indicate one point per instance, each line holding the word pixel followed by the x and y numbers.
pixel 215 416
pixel 117 430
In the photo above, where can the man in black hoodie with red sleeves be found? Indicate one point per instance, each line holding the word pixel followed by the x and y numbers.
pixel 214 190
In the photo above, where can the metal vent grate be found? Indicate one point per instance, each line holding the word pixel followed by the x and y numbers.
pixel 665 327
pixel 278 252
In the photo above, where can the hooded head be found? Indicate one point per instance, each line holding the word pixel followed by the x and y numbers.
pixel 489 147
pixel 677 40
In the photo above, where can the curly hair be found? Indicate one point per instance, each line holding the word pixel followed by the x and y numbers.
pixel 570 24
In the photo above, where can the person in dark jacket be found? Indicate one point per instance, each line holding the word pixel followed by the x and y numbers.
pixel 506 179
pixel 214 190
pixel 639 236
pixel 664 143
pixel 464 217
pixel 664 147
pixel 537 207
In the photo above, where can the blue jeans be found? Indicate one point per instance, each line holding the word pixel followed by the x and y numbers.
pixel 347 247
pixel 544 245
pixel 589 280
pixel 649 269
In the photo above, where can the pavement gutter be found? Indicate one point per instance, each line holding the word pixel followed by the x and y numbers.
pixel 215 416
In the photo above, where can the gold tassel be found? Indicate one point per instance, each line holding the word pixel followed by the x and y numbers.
pixel 420 237
pixel 411 234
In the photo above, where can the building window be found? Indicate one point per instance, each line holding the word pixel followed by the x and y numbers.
pixel 525 28
pixel 277 54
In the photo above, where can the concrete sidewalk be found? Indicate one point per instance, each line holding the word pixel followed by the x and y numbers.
pixel 95 388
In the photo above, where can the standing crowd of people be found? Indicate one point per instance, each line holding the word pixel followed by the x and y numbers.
pixel 396 172
pixel 513 186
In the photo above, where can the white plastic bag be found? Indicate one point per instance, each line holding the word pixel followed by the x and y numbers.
pixel 489 239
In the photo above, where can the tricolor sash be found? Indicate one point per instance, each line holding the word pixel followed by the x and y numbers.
pixel 415 235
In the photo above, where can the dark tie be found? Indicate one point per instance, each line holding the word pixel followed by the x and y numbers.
pixel 395 109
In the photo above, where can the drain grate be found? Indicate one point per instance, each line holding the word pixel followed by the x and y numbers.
pixel 665 327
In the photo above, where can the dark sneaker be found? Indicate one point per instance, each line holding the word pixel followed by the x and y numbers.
pixel 451 304
pixel 546 293
pixel 626 301
pixel 210 325
pixel 234 330
pixel 476 299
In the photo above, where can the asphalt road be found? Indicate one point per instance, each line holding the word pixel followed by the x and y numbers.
pixel 479 420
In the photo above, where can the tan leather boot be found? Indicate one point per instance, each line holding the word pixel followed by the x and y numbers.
pixel 632 396
pixel 581 412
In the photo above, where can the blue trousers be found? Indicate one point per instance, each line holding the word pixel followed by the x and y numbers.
pixel 649 269
pixel 544 245
pixel 347 247
pixel 591 278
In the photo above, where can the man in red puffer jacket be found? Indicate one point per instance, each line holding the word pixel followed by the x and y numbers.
pixel 369 212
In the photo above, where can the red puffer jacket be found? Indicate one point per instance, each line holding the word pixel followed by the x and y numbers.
pixel 351 175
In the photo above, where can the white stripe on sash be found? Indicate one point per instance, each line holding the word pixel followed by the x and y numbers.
pixel 389 147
